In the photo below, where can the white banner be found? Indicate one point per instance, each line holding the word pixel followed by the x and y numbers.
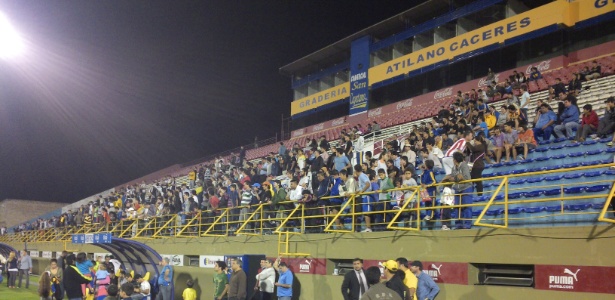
pixel 208 261
pixel 174 260
pixel 47 254
pixel 34 253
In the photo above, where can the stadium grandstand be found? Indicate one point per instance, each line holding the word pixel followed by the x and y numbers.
pixel 474 136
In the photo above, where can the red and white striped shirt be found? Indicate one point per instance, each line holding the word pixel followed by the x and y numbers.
pixel 459 145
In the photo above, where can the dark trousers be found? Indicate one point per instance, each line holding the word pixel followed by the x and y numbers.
pixel 27 274
pixel 266 296
pixel 475 174
pixel 605 127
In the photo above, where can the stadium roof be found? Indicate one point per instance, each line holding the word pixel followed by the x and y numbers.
pixel 340 50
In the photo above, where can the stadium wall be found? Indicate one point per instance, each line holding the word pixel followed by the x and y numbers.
pixel 552 250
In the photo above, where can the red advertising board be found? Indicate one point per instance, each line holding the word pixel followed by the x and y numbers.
pixel 308 265
pixel 575 278
pixel 441 272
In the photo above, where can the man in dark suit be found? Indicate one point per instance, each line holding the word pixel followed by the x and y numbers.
pixel 355 283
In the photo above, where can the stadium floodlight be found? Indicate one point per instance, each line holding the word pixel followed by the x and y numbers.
pixel 11 43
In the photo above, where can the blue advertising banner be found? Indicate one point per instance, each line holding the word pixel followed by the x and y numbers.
pixel 92 238
pixel 359 65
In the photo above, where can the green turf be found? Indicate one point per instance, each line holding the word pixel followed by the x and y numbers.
pixel 18 294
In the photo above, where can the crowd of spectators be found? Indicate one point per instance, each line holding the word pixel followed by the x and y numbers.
pixel 471 126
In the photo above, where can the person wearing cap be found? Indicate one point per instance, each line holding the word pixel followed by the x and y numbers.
pixel 589 123
pixel 410 281
pixel 426 288
pixel 378 290
pixel 355 282
pixel 395 279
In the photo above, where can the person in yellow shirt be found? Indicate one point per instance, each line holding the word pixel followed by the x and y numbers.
pixel 490 119
pixel 118 202
pixel 410 281
pixel 189 293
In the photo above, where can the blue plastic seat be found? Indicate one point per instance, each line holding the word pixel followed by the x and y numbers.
pixel 553 177
pixel 532 194
pixel 516 195
pixel 597 188
pixel 609 172
pixel 589 142
pixel 518 181
pixel 572 145
pixel 552 192
pixel 593 174
pixel 542 149
pixel 577 207
pixel 556 147
pixel 511 163
pixel 496 165
pixel 598 206
pixel 590 163
pixel 573 175
pixel 488 175
pixel 493 212
pixel 558 156
pixel 476 213
pixel 610 150
pixel 606 140
pixel 559 140
pixel 605 161
pixel 541 158
pixel 520 171
pixel 550 168
pixel 533 210
pixel 576 154
pixel 514 211
pixel 543 142
pixel 535 179
pixel 594 152
pixel 574 190
pixel 571 165
pixel 553 208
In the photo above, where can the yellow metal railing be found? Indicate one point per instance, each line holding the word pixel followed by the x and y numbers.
pixel 260 219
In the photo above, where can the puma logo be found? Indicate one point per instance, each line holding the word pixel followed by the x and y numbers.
pixel 574 275
pixel 433 266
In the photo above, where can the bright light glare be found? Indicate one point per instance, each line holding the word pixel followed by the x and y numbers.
pixel 11 44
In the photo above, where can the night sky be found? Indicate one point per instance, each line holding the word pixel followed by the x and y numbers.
pixel 109 91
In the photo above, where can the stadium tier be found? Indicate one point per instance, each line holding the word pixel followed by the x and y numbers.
pixel 503 180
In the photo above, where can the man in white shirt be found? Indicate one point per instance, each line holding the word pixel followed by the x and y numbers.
pixel 359 144
pixel 145 287
pixel 296 191
pixel 265 280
